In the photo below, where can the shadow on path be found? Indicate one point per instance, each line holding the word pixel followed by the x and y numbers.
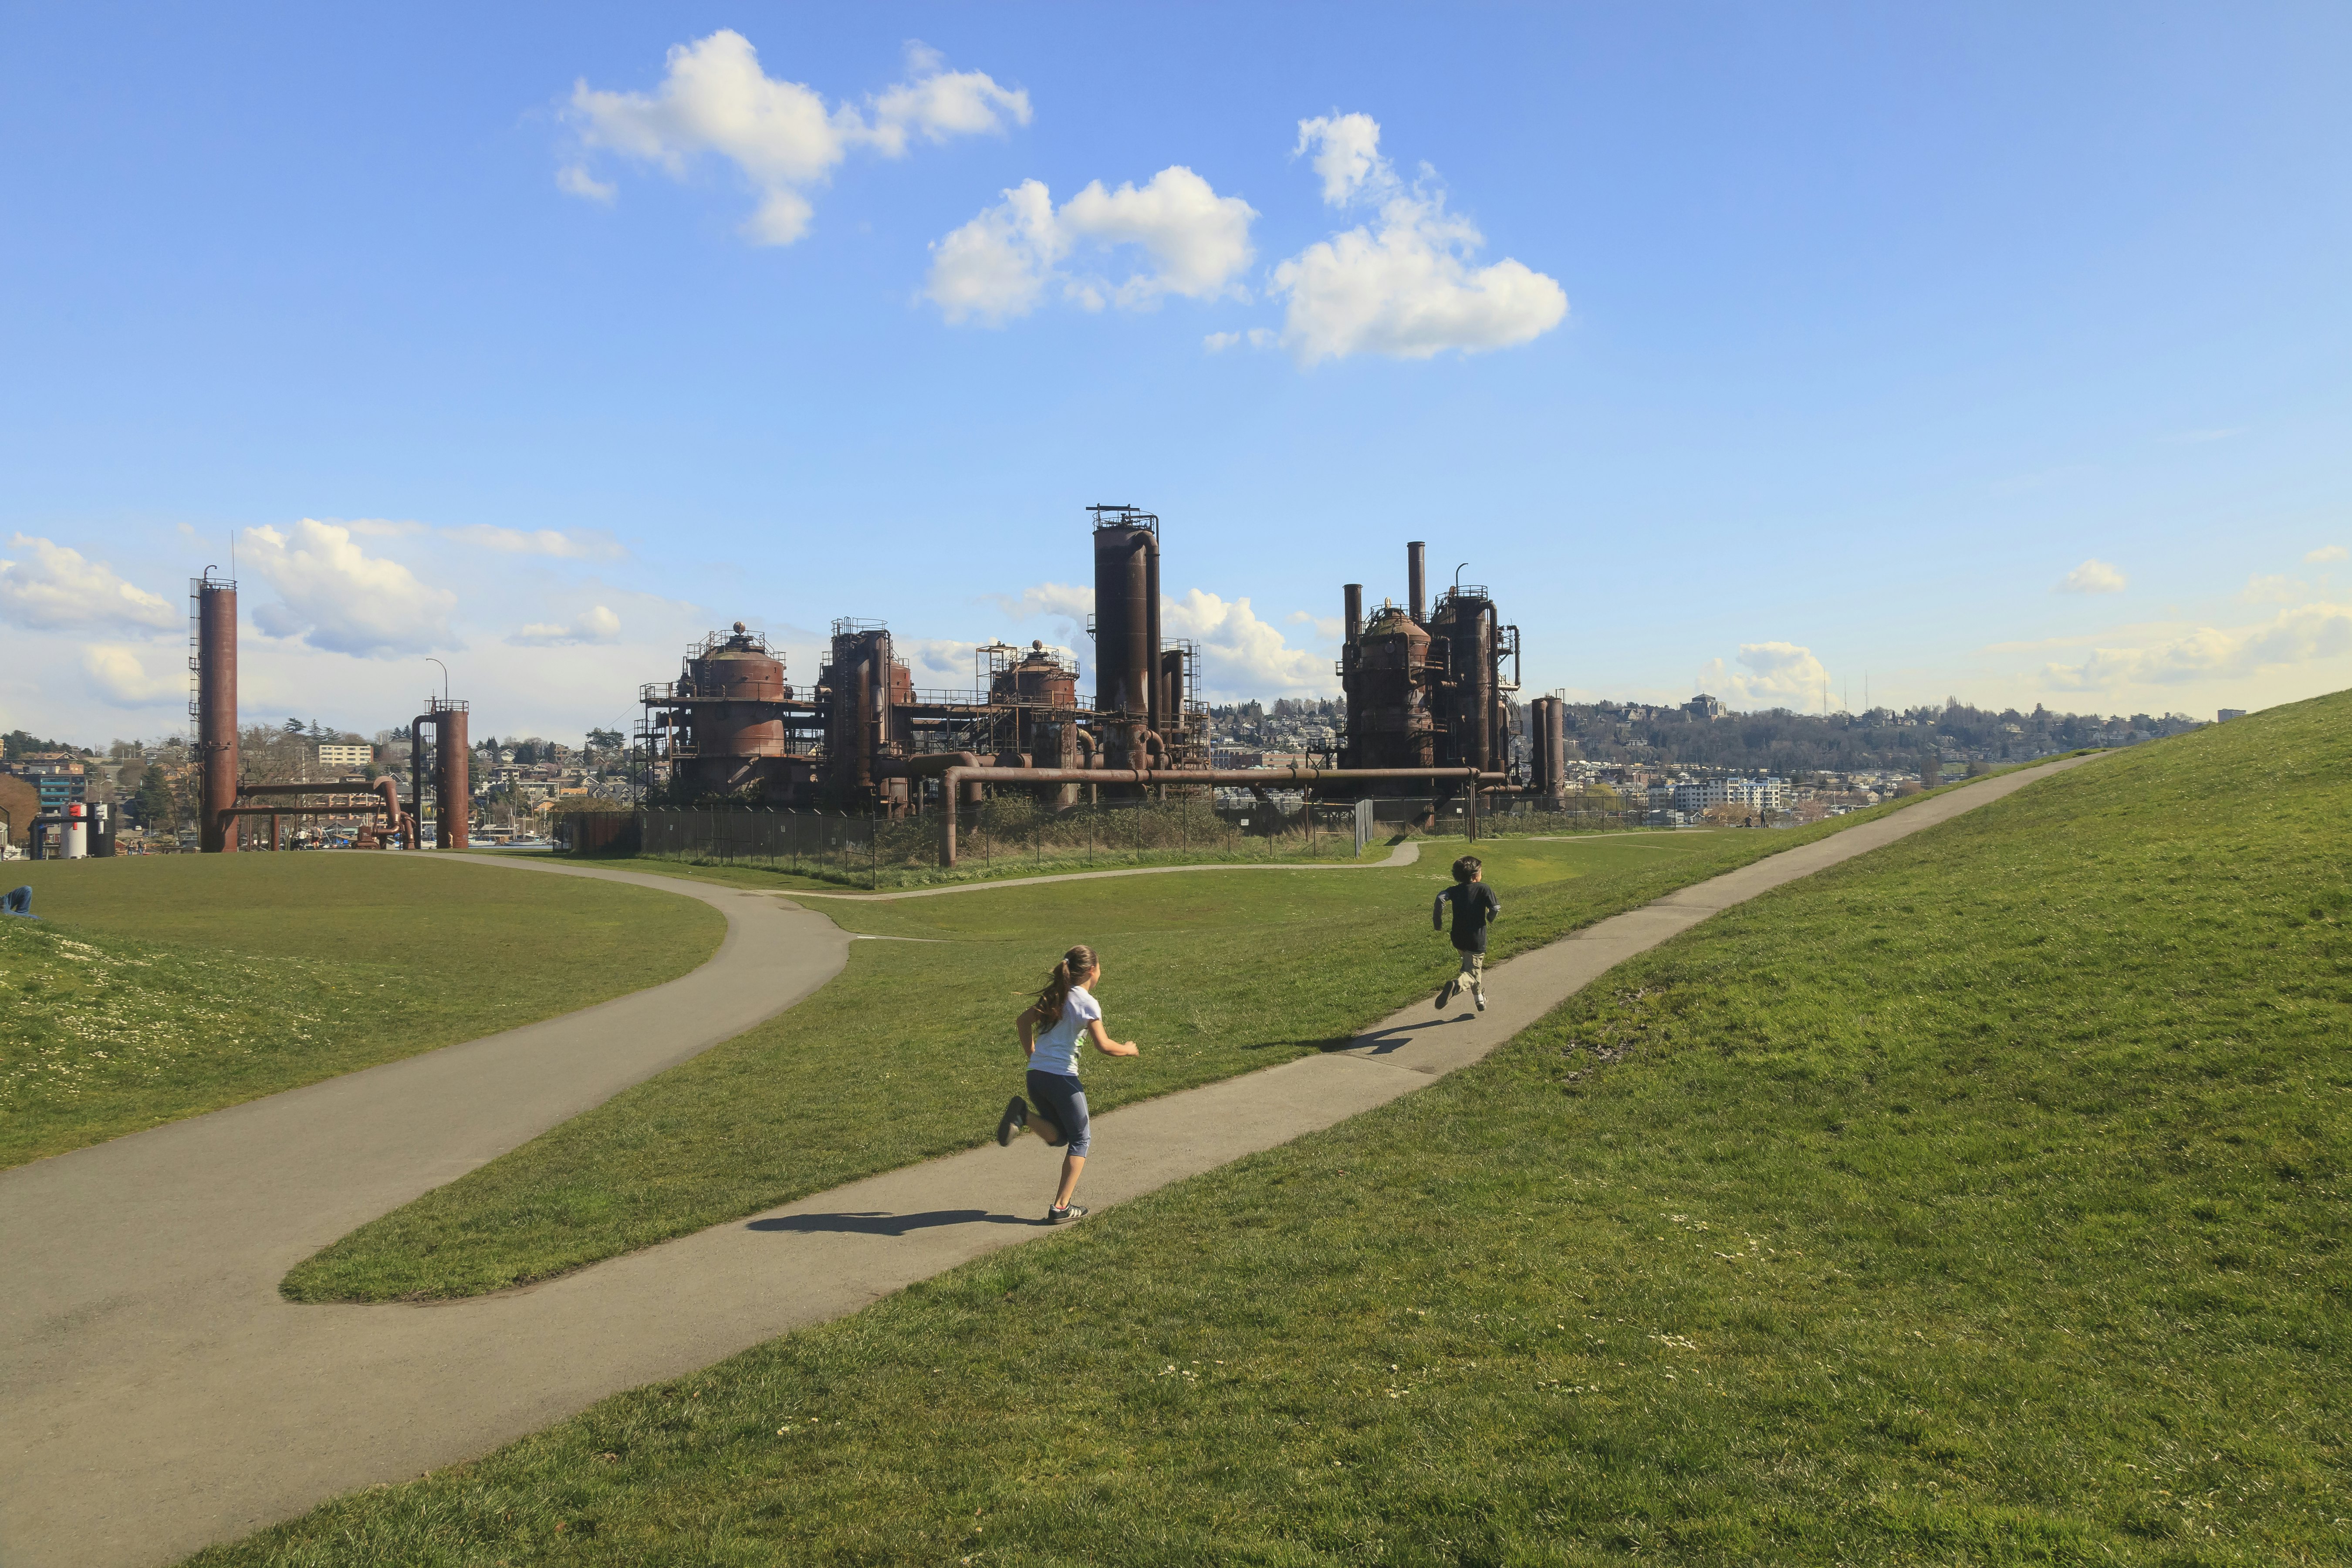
pixel 874 1223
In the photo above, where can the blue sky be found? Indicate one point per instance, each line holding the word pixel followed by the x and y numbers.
pixel 1965 350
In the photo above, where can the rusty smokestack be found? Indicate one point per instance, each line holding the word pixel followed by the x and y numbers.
pixel 1355 596
pixel 452 791
pixel 1416 573
pixel 215 712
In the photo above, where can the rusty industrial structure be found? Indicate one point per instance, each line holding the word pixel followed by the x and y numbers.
pixel 1424 689
pixel 1427 699
pixel 226 800
pixel 211 707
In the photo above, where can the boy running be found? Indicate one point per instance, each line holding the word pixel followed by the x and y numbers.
pixel 1068 1012
pixel 1474 909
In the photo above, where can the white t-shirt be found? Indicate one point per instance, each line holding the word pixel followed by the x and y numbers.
pixel 1058 1046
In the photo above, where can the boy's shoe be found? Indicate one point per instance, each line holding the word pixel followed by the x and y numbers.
pixel 1479 996
pixel 1014 1122
pixel 1444 994
pixel 1070 1214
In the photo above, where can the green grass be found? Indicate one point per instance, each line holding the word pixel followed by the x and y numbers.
pixel 910 1052
pixel 1980 1202
pixel 160 986
pixel 1293 849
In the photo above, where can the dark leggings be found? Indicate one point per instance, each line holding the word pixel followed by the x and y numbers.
pixel 1061 1100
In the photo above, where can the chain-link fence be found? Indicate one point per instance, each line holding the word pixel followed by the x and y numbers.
pixel 1018 832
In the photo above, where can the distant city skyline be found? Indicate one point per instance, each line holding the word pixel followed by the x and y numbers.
pixel 1979 352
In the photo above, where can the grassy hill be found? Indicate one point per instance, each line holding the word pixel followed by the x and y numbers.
pixel 158 987
pixel 1980 1202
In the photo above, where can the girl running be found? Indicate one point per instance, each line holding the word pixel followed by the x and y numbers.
pixel 1065 1012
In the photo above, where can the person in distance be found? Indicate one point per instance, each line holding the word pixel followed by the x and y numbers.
pixel 1474 909
pixel 1065 1012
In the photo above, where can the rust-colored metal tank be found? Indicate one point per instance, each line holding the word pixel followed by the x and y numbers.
pixel 214 709
pixel 861 680
pixel 736 687
pixel 1465 622
pixel 1040 679
pixel 453 794
pixel 1127 630
pixel 1389 722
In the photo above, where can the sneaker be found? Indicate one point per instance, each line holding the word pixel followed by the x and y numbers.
pixel 1444 994
pixel 1070 1214
pixel 1480 998
pixel 1013 1123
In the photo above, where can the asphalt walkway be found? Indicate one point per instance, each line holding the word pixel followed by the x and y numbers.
pixel 157 1394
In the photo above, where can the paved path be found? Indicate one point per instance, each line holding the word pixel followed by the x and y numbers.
pixel 1404 854
pixel 159 1395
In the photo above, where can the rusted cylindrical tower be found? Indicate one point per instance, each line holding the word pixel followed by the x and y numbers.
pixel 1354 593
pixel 737 689
pixel 1127 688
pixel 1389 722
pixel 216 710
pixel 1556 744
pixel 1416 575
pixel 453 794
pixel 1465 623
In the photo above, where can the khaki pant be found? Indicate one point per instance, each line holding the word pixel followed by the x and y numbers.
pixel 1472 979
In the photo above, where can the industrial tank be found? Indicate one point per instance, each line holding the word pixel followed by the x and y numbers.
pixel 1465 622
pixel 215 712
pixel 1389 722
pixel 1127 612
pixel 735 685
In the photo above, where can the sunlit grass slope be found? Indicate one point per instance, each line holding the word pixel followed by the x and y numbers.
pixel 1980 1202
pixel 910 1052
pixel 160 986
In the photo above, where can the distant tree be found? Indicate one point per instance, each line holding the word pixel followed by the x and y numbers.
pixel 157 803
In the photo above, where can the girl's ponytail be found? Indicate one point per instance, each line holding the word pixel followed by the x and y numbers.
pixel 1075 965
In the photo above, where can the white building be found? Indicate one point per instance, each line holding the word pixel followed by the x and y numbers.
pixel 1694 795
pixel 334 756
pixel 1758 795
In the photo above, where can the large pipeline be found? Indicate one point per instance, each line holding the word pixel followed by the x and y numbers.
pixel 1279 778
pixel 385 793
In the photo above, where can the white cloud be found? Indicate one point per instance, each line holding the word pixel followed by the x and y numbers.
pixel 1256 337
pixel 339 598
pixel 582 545
pixel 996 267
pixel 1195 242
pixel 2091 577
pixel 782 136
pixel 936 662
pixel 598 625
pixel 2326 553
pixel 1401 285
pixel 574 180
pixel 940 103
pixel 1064 601
pixel 2297 636
pixel 1241 655
pixel 1346 154
pixel 51 587
pixel 1774 674
pixel 119 675
pixel 2276 589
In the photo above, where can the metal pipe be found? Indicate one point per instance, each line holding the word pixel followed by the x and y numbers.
pixel 1416 573
pixel 1354 593
pixel 416 766
pixel 1290 777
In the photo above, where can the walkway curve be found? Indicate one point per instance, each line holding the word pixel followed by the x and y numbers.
pixel 160 1396
pixel 155 1391
pixel 1404 854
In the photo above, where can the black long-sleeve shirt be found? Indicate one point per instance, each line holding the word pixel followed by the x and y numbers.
pixel 1474 909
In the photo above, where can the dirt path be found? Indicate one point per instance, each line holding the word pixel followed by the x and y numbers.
pixel 157 1394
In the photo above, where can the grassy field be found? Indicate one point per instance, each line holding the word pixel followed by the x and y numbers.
pixel 1980 1202
pixel 156 987
pixel 909 1053
pixel 1292 848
